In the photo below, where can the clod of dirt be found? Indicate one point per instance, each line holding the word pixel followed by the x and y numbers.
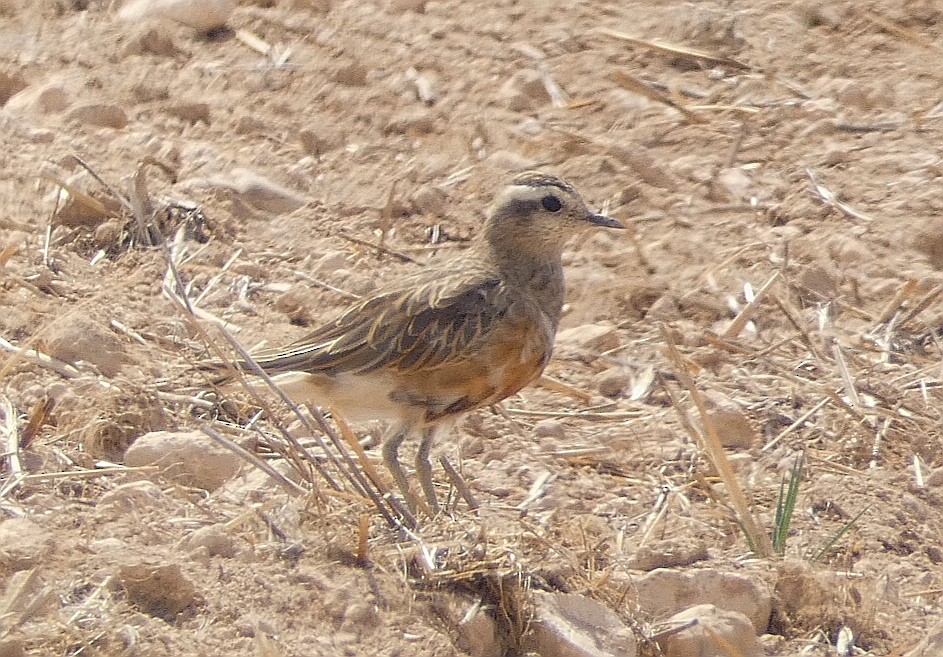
pixel 930 645
pixel 663 592
pixel 23 544
pixel 190 458
pixel 259 192
pixel 733 429
pixel 214 539
pixel 161 591
pixel 586 342
pixel 133 496
pixel 566 624
pixel 929 240
pixel 202 15
pixel 50 98
pixel 613 382
pixel 12 648
pixel 75 337
pixel 10 85
pixel 669 553
pixel 99 114
pixel 190 112
pixel 716 633
pixel 524 91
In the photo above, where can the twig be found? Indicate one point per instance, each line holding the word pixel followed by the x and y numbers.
pixel 749 310
pixel 248 456
pixel 38 358
pixel 459 483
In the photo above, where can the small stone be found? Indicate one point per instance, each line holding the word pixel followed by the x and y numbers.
pixel 10 85
pixel 258 191
pixel 39 99
pixel 190 112
pixel 215 539
pixel 587 341
pixel 133 496
pixel 353 74
pixel 669 554
pixel 161 591
pixel 613 382
pixel 570 625
pixel 99 114
pixel 429 200
pixel 12 648
pixel 931 645
pixel 23 544
pixel 478 634
pixel 151 41
pixel 319 143
pixel 550 428
pixel 191 458
pixel 714 633
pixel 734 184
pixel 74 338
pixel 412 123
pixel 202 15
pixel 524 91
pixel 733 429
pixel 816 285
pixel 418 6
pixel 663 592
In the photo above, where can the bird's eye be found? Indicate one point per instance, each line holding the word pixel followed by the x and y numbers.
pixel 551 203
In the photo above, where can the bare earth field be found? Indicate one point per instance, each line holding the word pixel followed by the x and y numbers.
pixel 778 167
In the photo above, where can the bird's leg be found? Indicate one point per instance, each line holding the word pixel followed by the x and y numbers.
pixel 391 460
pixel 424 468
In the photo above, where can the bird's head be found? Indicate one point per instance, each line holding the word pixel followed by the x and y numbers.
pixel 540 212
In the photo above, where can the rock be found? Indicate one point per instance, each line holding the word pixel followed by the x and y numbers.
pixel 586 341
pixel 202 15
pixel 550 428
pixel 416 122
pixel 733 429
pixel 190 458
pixel 75 337
pixel 259 192
pixel 669 554
pixel 12 648
pixel 190 112
pixel 23 544
pixel 99 114
pixel 353 74
pixel 816 285
pixel 570 625
pixel 133 496
pixel 613 382
pixel 931 645
pixel 319 143
pixel 10 85
pixel 478 634
pixel 159 590
pixel 215 539
pixel 151 41
pixel 418 6
pixel 663 592
pixel 429 200
pixel 715 633
pixel 50 98
pixel 524 91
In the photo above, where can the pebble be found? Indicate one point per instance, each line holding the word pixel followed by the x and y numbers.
pixel 190 458
pixel 50 98
pixel 733 429
pixel 74 337
pixel 161 591
pixel 571 625
pixel 715 633
pixel 99 114
pixel 23 544
pixel 202 15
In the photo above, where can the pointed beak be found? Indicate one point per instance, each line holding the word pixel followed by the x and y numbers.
pixel 604 221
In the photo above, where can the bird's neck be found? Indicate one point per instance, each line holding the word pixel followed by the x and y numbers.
pixel 538 273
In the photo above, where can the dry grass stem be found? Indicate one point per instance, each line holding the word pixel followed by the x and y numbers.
pixel 750 310
pixel 459 482
pixel 245 454
pixel 711 444
pixel 635 85
pixel 676 51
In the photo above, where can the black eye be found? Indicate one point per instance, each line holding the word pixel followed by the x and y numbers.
pixel 551 203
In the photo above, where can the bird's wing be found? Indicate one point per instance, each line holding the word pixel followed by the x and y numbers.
pixel 432 323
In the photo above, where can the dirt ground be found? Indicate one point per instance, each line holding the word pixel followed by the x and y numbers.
pixel 784 233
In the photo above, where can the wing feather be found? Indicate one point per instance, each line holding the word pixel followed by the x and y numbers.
pixel 432 323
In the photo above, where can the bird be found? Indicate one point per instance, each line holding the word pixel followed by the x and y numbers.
pixel 450 338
